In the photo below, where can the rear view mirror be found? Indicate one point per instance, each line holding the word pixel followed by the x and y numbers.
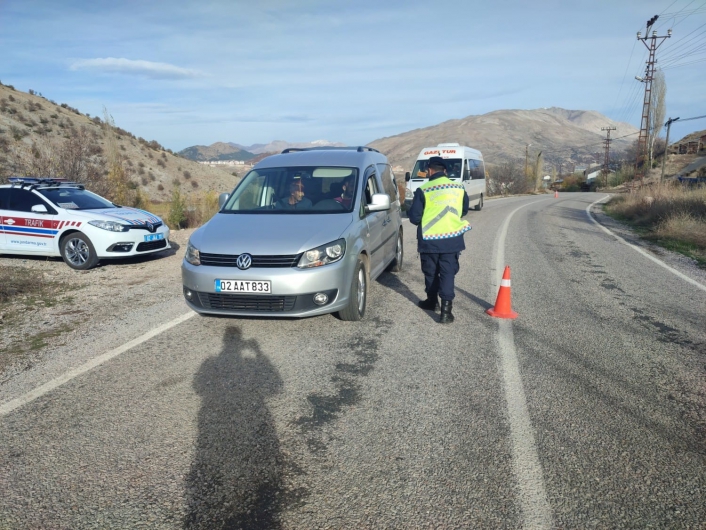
pixel 39 208
pixel 407 176
pixel 380 202
pixel 222 198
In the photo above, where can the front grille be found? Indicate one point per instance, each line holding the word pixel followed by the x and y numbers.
pixel 151 245
pixel 155 226
pixel 262 262
pixel 240 302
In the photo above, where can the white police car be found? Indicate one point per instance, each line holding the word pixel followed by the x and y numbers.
pixel 54 217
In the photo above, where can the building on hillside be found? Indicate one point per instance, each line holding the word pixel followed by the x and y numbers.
pixel 690 148
pixel 213 163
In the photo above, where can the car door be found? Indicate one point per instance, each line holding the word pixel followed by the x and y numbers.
pixel 25 230
pixel 375 222
pixel 391 225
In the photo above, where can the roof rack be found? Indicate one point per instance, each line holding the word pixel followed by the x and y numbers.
pixel 33 182
pixel 359 148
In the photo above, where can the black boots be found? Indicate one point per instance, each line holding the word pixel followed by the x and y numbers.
pixel 446 315
pixel 430 304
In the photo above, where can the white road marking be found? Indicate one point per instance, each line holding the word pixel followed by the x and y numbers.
pixel 638 249
pixel 536 511
pixel 38 392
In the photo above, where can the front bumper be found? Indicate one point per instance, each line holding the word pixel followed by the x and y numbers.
pixel 292 294
pixel 130 243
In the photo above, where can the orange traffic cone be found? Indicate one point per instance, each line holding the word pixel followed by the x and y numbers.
pixel 556 194
pixel 503 307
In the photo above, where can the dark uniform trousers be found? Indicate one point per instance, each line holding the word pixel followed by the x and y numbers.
pixel 439 271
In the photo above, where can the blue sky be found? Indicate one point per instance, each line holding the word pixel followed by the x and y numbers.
pixel 186 73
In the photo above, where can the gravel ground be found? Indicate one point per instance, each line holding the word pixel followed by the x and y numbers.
pixel 81 303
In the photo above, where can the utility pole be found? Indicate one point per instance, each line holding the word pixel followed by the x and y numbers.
pixel 668 125
pixel 526 155
pixel 647 80
pixel 607 153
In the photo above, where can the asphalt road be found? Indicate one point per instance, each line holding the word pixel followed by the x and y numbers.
pixel 587 411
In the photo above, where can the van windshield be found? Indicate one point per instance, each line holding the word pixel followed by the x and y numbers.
pixel 453 168
pixel 295 190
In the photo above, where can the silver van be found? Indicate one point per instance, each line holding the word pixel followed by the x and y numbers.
pixel 304 233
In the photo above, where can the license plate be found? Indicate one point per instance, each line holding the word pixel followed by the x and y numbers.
pixel 243 286
pixel 154 237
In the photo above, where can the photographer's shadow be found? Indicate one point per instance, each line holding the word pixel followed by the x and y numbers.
pixel 235 479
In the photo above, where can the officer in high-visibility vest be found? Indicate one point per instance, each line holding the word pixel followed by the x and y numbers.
pixel 437 208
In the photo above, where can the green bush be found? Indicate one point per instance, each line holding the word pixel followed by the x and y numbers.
pixel 177 210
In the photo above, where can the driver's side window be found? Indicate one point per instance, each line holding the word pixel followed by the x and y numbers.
pixel 370 189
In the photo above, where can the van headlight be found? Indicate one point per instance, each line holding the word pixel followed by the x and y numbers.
pixel 192 255
pixel 323 255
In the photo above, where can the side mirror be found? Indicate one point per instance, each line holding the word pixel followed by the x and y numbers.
pixel 407 176
pixel 380 203
pixel 222 198
pixel 39 208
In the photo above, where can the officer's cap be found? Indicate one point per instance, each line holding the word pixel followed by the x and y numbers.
pixel 437 161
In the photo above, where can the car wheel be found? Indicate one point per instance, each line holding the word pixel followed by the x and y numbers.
pixel 78 252
pixel 479 206
pixel 396 263
pixel 355 310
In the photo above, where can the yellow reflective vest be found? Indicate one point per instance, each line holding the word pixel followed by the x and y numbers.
pixel 443 204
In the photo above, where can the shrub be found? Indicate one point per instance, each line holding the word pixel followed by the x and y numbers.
pixel 177 210
pixel 187 175
pixel 194 184
pixel 161 163
pixel 160 187
pixel 144 181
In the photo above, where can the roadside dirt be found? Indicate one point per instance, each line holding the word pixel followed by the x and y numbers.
pixel 74 302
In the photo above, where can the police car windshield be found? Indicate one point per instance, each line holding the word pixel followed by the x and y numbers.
pixel 75 199
pixel 297 190
pixel 453 168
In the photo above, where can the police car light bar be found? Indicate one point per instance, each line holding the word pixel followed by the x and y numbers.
pixel 42 181
pixel 33 180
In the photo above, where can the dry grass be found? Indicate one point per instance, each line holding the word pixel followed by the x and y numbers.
pixel 672 216
pixel 200 207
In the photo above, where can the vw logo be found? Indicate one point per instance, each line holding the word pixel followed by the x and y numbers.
pixel 244 261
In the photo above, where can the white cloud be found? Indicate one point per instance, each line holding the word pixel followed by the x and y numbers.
pixel 138 68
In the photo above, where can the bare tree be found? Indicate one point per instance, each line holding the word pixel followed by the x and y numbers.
pixel 657 109
pixel 507 178
pixel 538 170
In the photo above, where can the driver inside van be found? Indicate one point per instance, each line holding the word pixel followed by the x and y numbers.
pixel 296 199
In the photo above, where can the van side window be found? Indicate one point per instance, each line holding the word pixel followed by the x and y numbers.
pixel 476 169
pixel 388 182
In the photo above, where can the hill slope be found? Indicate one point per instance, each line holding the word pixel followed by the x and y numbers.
pixel 564 136
pixel 34 130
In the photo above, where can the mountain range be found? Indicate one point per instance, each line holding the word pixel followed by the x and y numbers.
pixel 232 151
pixel 564 137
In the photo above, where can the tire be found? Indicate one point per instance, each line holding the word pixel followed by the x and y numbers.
pixel 396 264
pixel 77 252
pixel 479 206
pixel 355 310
